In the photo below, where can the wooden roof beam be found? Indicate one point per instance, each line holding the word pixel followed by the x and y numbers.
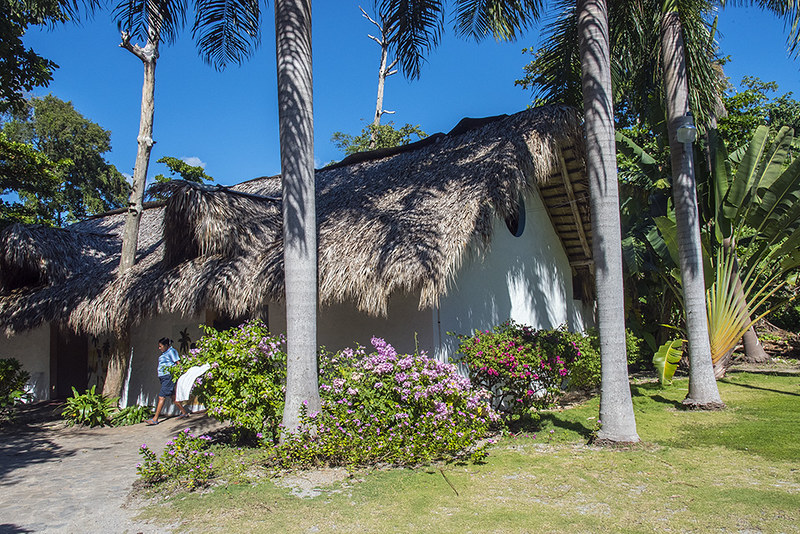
pixel 587 250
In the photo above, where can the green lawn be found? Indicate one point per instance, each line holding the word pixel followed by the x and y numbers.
pixel 737 470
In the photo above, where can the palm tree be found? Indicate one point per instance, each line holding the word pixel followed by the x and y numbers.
pixel 703 391
pixel 616 407
pixel 419 25
pixel 227 32
pixel 634 47
pixel 296 117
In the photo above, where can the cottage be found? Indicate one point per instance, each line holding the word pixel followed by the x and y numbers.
pixel 457 231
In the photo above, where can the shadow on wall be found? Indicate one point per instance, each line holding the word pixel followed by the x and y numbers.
pixel 519 280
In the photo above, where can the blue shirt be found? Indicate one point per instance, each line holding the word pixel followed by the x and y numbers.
pixel 167 359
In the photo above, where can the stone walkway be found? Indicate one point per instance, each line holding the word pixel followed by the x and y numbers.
pixel 77 480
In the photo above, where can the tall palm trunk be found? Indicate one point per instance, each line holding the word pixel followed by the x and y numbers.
pixel 703 392
pixel 616 407
pixel 295 114
pixel 118 364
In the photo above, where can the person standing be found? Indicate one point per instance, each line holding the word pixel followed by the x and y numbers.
pixel 168 357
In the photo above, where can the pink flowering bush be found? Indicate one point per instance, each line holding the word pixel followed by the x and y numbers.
pixel 245 385
pixel 525 369
pixel 185 462
pixel 385 407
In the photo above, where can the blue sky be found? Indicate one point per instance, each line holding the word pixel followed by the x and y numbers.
pixel 228 120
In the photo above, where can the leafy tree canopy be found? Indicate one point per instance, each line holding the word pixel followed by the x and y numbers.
pixel 63 142
pixel 181 170
pixel 22 69
pixel 184 171
pixel 754 107
pixel 386 136
pixel 31 175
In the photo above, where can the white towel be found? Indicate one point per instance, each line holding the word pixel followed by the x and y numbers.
pixel 183 388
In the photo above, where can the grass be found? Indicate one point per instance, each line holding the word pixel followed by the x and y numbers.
pixel 737 470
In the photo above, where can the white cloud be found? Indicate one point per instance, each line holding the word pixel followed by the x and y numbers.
pixel 128 177
pixel 194 161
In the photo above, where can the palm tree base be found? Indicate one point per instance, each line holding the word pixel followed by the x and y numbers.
pixel 692 404
pixel 616 444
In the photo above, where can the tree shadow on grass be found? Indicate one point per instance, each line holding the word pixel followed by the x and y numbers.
pixel 574 426
pixel 646 390
pixel 725 381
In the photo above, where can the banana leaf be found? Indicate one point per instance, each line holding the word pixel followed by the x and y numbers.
pixel 746 175
pixel 666 360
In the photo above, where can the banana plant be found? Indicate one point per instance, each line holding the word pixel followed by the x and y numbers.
pixel 756 208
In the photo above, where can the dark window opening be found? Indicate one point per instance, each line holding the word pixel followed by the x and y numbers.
pixel 516 220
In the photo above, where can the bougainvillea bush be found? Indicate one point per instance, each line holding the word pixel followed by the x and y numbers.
pixel 385 407
pixel 185 461
pixel 245 384
pixel 525 369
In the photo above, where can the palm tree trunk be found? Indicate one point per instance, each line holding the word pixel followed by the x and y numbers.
pixel 703 392
pixel 295 114
pixel 616 407
pixel 130 234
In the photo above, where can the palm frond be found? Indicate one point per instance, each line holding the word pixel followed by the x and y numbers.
pixel 502 19
pixel 226 31
pixel 554 75
pixel 160 20
pixel 416 27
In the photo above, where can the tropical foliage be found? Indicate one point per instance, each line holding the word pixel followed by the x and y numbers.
pixel 88 409
pixel 21 68
pixel 373 137
pixel 749 216
pixel 12 386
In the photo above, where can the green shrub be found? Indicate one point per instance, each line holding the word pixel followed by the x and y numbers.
pixel 185 462
pixel 385 407
pixel 584 372
pixel 132 415
pixel 12 386
pixel 90 409
pixel 245 385
pixel 786 317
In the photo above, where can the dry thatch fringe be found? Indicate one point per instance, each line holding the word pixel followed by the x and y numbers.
pixel 34 255
pixel 402 223
pixel 198 222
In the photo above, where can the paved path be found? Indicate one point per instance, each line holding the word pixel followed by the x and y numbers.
pixel 77 480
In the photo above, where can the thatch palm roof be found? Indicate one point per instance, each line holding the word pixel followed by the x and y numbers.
pixel 398 220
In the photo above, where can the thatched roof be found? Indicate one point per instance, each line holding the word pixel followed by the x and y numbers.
pixel 399 220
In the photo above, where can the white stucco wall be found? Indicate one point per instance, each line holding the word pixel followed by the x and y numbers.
pixel 32 349
pixel 342 325
pixel 526 278
pixel 143 385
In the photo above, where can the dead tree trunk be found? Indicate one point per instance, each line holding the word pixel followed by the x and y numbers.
pixel 130 236
pixel 384 71
pixel 118 365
